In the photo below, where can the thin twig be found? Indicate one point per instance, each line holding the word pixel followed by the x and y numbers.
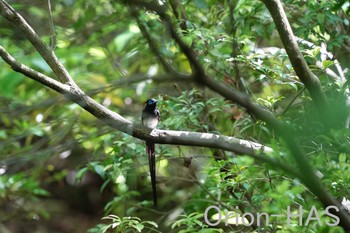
pixel 234 53
pixel 151 43
pixel 292 101
pixel 53 39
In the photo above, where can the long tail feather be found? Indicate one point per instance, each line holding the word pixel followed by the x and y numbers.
pixel 152 169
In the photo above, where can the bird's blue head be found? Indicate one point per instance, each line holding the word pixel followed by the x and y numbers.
pixel 151 102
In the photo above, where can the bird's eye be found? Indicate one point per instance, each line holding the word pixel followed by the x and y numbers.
pixel 149 101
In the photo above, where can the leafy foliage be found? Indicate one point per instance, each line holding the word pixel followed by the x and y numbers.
pixel 126 224
pixel 56 160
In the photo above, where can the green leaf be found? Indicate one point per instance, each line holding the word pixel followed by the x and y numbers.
pixel 327 63
pixel 201 4
pixel 99 169
pixel 37 131
pixel 121 40
pixel 151 223
pixel 9 83
pixel 3 134
pixel 79 175
pixel 104 185
pixel 41 64
pixel 342 158
pixel 138 227
pixel 41 192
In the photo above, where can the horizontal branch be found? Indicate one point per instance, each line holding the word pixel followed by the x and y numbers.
pixel 236 145
pixel 74 93
pixel 115 120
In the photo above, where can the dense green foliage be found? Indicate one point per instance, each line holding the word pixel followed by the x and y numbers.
pixel 62 170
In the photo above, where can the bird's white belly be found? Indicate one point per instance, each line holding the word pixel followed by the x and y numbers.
pixel 150 123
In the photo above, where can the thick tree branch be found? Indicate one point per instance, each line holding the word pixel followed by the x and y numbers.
pixel 238 146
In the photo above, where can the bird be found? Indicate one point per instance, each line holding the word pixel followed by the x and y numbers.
pixel 150 118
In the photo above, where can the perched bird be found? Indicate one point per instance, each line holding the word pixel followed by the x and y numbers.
pixel 150 118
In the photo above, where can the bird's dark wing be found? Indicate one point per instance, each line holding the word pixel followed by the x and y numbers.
pixel 158 114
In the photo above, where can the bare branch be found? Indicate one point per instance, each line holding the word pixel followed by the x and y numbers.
pixel 53 39
pixel 10 14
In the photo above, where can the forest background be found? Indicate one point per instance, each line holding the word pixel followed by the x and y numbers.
pixel 254 102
